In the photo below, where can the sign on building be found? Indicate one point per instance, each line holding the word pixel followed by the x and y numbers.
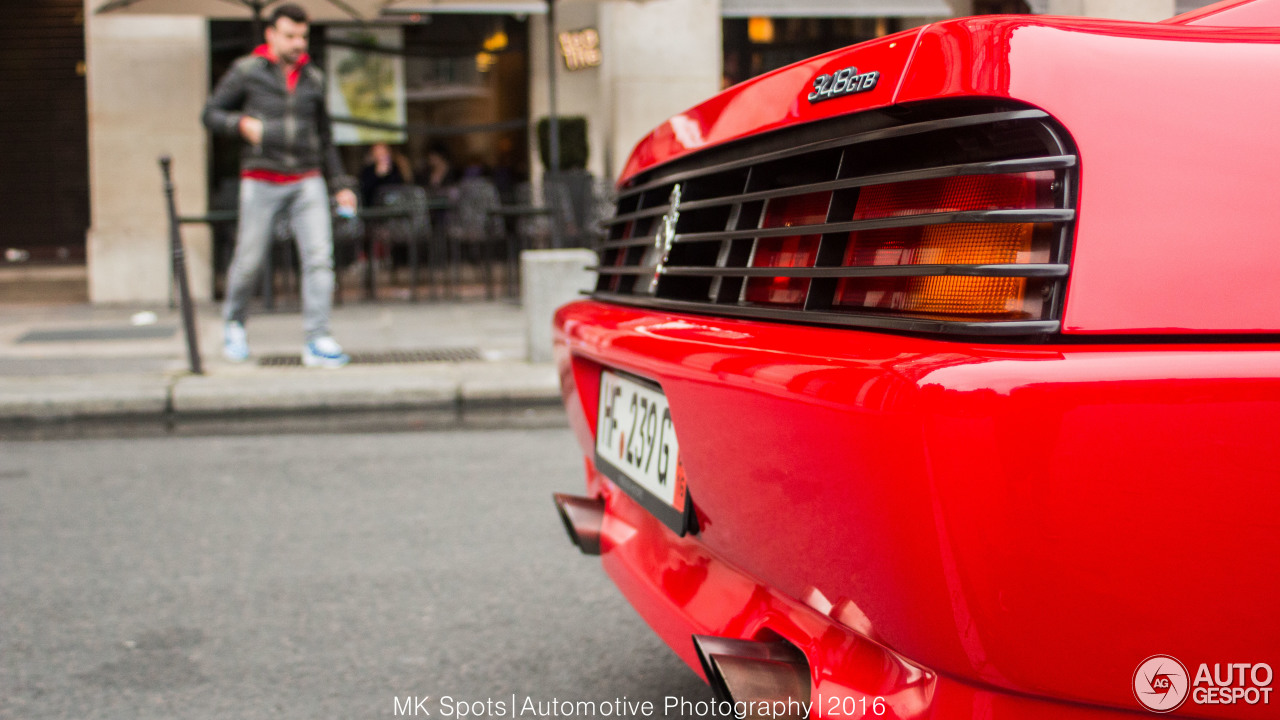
pixel 580 48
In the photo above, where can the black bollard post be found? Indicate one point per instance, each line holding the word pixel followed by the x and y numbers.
pixel 180 271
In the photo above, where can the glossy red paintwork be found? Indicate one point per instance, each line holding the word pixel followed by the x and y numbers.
pixel 775 100
pixel 985 530
pixel 1175 128
pixel 1030 519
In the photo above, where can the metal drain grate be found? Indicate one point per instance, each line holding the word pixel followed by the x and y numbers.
pixel 389 357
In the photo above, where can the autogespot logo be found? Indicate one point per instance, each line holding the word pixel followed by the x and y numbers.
pixel 1160 683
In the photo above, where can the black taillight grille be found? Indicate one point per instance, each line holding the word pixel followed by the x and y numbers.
pixel 945 218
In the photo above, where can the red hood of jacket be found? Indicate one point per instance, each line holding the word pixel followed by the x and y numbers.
pixel 264 50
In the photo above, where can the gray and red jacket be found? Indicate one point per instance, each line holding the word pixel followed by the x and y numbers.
pixel 296 138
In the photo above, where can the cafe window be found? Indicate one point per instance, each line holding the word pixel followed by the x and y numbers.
pixel 756 45
pixel 465 88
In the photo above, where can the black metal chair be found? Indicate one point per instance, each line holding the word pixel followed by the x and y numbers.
pixel 525 226
pixel 407 223
pixel 557 199
pixel 473 223
pixel 575 199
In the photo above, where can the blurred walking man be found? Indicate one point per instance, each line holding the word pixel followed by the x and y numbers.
pixel 273 99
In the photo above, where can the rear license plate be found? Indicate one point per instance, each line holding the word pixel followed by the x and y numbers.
pixel 636 447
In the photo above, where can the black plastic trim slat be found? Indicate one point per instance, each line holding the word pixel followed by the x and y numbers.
pixel 869 136
pixel 1023 270
pixel 879 322
pixel 996 167
pixel 659 210
pixel 967 216
pixel 633 270
pixel 629 242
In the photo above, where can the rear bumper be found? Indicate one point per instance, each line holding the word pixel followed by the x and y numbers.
pixel 681 588
pixel 1013 523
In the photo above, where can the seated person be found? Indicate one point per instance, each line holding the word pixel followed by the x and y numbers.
pixel 383 168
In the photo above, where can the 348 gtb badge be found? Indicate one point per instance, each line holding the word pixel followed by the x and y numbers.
pixel 842 82
pixel 958 397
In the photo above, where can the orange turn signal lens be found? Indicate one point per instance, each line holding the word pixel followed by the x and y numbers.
pixel 946 244
pixel 971 245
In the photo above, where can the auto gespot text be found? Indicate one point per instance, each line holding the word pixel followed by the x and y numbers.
pixel 1232 683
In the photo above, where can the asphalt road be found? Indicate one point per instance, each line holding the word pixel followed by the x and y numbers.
pixel 326 576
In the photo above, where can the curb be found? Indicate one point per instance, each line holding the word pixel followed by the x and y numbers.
pixel 462 395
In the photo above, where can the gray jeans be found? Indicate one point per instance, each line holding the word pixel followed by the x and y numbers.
pixel 306 204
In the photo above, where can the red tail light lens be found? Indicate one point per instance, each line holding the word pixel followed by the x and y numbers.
pixel 620 256
pixel 789 251
pixel 953 194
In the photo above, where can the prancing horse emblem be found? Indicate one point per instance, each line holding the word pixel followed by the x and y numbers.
pixel 665 238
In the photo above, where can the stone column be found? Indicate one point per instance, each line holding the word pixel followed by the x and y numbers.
pixel 147 80
pixel 1140 10
pixel 659 57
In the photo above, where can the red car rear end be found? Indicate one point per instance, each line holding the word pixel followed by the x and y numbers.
pixel 944 370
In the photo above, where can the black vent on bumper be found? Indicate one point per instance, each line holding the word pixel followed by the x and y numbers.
pixel 806 224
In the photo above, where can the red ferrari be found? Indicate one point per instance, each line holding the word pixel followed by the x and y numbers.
pixel 939 376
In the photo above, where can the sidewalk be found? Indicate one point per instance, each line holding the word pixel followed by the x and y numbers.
pixel 86 370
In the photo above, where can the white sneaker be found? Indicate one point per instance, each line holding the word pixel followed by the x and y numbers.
pixel 324 352
pixel 235 344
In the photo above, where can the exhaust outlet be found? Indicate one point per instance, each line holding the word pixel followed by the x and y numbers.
pixel 753 672
pixel 582 518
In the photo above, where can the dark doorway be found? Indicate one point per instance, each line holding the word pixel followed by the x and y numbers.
pixel 753 46
pixel 44 174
